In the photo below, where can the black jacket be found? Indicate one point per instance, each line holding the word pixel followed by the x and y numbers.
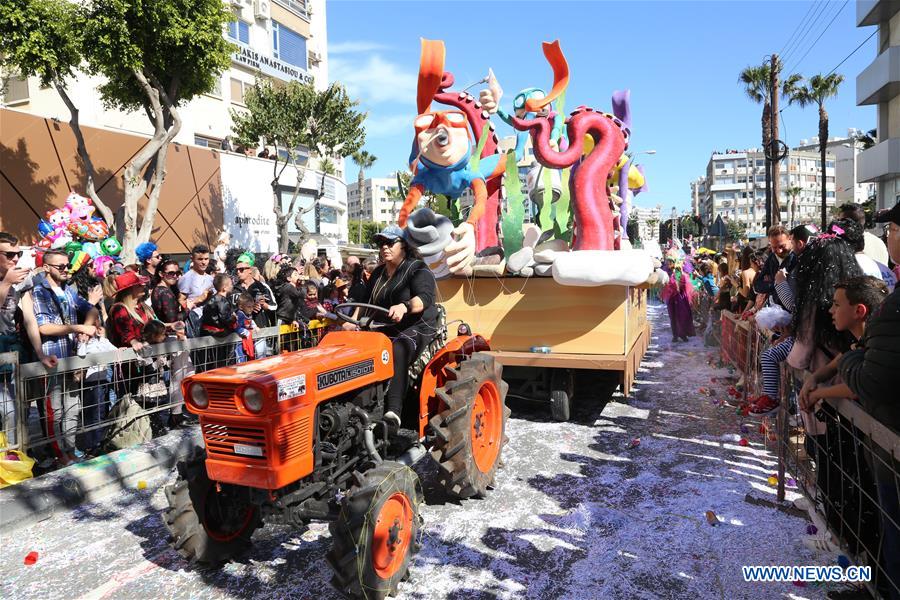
pixel 218 316
pixel 873 372
pixel 764 282
pixel 289 299
pixel 412 278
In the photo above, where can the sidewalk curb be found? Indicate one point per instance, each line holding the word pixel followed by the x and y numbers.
pixel 40 498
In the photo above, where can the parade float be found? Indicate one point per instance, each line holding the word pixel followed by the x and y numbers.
pixel 562 296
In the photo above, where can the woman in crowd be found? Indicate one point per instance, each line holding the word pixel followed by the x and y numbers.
pixel 678 294
pixel 171 308
pixel 130 313
pixel 826 261
pixel 165 299
pixel 748 269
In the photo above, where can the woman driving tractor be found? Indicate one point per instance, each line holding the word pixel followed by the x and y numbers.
pixel 404 287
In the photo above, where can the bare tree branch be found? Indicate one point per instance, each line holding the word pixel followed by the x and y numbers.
pixel 90 171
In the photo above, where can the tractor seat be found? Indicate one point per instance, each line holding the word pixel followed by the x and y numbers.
pixel 426 352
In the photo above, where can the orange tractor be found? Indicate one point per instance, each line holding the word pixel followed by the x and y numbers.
pixel 299 437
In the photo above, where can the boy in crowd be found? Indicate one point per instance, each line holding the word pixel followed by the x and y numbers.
pixel 218 319
pixel 854 301
pixel 244 327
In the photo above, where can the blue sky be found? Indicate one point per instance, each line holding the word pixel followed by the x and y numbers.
pixel 681 61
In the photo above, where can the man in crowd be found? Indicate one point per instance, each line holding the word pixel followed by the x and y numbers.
pixel 56 307
pixel 781 257
pixel 873 374
pixel 197 286
pixel 264 314
pixel 14 281
pixel 149 258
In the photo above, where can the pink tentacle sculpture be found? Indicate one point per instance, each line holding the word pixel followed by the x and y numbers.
pixel 587 186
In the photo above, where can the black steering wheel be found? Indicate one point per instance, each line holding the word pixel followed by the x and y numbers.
pixel 362 322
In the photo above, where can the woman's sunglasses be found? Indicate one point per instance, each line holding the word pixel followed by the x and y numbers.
pixel 12 255
pixel 171 273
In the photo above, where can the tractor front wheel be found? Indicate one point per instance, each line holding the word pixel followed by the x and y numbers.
pixel 209 524
pixel 377 532
pixel 470 431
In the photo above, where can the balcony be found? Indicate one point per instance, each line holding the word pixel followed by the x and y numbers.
pixel 873 12
pixel 881 80
pixel 879 162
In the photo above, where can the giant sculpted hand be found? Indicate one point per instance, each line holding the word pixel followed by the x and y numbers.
pixel 490 98
pixel 460 253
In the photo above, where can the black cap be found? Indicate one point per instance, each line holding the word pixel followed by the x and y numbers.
pixel 889 215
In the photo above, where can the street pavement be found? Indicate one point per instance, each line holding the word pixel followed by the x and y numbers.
pixel 610 505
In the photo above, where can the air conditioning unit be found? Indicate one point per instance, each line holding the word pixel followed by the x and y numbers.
pixel 262 10
pixel 315 57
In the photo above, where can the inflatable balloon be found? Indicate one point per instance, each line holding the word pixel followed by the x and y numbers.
pixel 78 229
pixel 59 218
pixel 45 228
pixel 111 246
pixel 72 247
pixel 97 230
pixel 92 248
pixel 60 240
pixel 79 207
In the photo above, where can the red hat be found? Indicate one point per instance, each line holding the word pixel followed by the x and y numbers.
pixel 129 279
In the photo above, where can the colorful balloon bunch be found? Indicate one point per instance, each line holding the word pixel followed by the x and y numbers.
pixel 75 229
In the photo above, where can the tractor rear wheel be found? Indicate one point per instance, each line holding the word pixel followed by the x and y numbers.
pixel 209 524
pixel 377 532
pixel 471 430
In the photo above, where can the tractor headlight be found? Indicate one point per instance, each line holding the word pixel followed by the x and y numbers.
pixel 253 399
pixel 199 396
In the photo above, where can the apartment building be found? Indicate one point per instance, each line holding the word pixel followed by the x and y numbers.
pixel 879 86
pixel 376 202
pixel 736 187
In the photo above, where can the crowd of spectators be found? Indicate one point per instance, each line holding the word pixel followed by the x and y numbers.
pixel 60 310
pixel 827 304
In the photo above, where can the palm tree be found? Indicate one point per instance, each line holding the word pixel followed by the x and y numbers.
pixel 757 85
pixel 818 89
pixel 792 193
pixel 364 160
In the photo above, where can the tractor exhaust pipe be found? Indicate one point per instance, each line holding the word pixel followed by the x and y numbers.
pixel 368 434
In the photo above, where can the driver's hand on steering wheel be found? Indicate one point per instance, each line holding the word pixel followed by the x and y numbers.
pixel 397 312
pixel 350 327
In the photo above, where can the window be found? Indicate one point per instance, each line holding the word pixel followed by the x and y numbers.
pixel 208 142
pixel 239 31
pixel 237 91
pixel 15 90
pixel 829 164
pixel 724 179
pixel 741 164
pixel 328 214
pixel 288 45
pixel 760 162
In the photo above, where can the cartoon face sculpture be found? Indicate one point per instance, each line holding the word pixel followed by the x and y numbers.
pixel 79 207
pixel 442 136
pixel 59 218
pixel 533 94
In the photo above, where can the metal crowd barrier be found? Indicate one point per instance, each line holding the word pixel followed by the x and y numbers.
pixel 73 406
pixel 847 464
